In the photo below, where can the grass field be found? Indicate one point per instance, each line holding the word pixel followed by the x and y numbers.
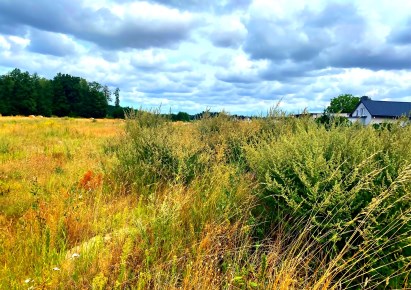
pixel 277 203
pixel 51 198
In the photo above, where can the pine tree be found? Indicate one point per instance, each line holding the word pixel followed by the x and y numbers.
pixel 117 95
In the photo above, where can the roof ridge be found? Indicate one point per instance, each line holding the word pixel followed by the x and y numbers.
pixel 385 101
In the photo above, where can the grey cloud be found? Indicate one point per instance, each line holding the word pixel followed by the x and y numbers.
pixel 337 36
pixel 286 71
pixel 161 91
pixel 147 65
pixel 304 37
pixel 276 40
pixel 8 29
pixel 42 14
pixel 227 38
pixel 108 55
pixel 399 93
pixel 216 6
pixel 136 33
pixel 333 14
pixel 101 27
pixel 50 43
pixel 237 77
pixel 220 60
pixel 157 86
pixel 179 67
pixel 188 78
pixel 385 58
pixel 158 66
pixel 401 35
pixel 220 86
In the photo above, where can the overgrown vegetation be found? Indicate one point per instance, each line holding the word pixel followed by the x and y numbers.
pixel 219 203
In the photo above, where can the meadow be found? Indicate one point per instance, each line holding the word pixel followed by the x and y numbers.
pixel 218 203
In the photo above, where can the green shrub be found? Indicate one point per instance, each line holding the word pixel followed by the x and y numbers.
pixel 156 152
pixel 351 183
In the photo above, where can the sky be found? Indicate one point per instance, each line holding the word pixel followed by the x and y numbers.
pixel 241 56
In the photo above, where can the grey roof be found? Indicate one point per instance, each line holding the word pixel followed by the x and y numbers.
pixel 387 108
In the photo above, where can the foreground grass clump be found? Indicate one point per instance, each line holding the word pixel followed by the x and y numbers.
pixel 276 203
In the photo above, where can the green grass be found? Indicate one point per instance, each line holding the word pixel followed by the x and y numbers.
pixel 277 203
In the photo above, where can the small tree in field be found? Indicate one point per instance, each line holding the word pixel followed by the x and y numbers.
pixel 117 96
pixel 344 103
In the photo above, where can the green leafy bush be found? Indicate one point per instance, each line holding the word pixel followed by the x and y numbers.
pixel 352 184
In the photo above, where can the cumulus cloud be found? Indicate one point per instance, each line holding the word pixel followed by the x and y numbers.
pixel 402 35
pixel 241 70
pixel 148 60
pixel 336 35
pixel 228 32
pixel 51 43
pixel 200 5
pixel 132 25
pixel 240 55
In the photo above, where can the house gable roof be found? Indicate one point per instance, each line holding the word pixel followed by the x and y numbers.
pixel 387 108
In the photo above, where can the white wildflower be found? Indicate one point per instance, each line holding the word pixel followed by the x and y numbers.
pixel 75 255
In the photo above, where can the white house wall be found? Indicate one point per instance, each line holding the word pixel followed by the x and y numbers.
pixel 361 111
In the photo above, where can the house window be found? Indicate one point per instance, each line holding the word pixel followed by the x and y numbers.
pixel 362 112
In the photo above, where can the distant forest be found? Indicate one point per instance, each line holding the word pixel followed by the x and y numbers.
pixel 22 93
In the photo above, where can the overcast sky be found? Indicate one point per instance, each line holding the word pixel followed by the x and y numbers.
pixel 242 56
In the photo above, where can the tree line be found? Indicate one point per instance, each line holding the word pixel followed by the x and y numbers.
pixel 22 93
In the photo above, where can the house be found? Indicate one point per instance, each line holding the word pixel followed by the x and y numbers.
pixel 377 112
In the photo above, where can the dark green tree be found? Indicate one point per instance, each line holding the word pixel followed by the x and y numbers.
pixel 344 103
pixel 6 88
pixel 21 96
pixel 65 95
pixel 97 101
pixel 117 96
pixel 181 116
pixel 107 93
pixel 43 95
pixel 61 105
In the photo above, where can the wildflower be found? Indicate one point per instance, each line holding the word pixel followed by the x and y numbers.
pixel 56 269
pixel 28 280
pixel 75 255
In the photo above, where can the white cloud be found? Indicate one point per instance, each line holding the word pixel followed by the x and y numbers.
pixel 228 31
pixel 239 55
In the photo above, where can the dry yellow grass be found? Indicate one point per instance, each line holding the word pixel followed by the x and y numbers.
pixel 108 204
pixel 42 164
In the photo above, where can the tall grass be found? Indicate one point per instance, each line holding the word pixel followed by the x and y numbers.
pixel 276 203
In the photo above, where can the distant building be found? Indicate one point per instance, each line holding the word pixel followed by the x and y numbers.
pixel 377 112
pixel 305 114
pixel 319 115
